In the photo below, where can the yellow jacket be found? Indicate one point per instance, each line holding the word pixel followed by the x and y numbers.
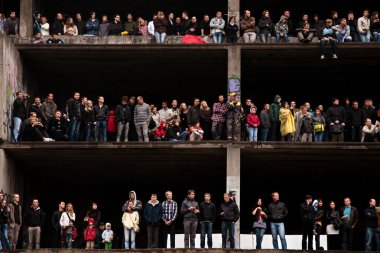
pixel 287 122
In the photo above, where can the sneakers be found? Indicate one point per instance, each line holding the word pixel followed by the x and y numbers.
pixel 315 232
pixel 335 56
pixel 322 57
pixel 47 139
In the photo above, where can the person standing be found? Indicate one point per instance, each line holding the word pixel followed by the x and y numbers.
pixel 142 114
pixel 349 217
pixel 207 219
pixel 274 116
pixel 218 118
pixel 371 229
pixel 94 213
pixel 230 214
pixel 4 218
pixel 189 211
pixel 15 220
pixel 307 219
pixel 123 117
pixel 130 222
pixel 169 215
pixel 57 237
pixel 19 113
pixel 265 122
pixel 67 225
pixel 277 212
pixel 74 115
pixel 152 215
pixel 259 222
pixel 102 114
pixel 234 116
pixel 333 225
pixel 34 220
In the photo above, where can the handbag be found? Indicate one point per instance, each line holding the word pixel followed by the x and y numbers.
pixel 331 230
pixel 136 228
pixel 319 128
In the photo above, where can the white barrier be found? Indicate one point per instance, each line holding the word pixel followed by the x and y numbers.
pixel 248 241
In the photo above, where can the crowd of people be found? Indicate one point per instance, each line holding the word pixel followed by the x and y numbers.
pixel 83 120
pixel 160 218
pixel 332 30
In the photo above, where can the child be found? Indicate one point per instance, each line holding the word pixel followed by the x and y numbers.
pixel 196 132
pixel 90 234
pixel 70 234
pixel 159 134
pixel 107 236
pixel 99 244
pixel 253 124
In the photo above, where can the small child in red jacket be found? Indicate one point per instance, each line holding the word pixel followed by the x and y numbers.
pixel 90 234
pixel 253 122
pixel 160 132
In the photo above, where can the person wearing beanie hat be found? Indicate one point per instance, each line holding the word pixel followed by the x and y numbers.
pixel 90 234
pixel 107 236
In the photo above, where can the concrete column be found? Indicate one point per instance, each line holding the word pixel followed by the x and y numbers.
pixel 233 182
pixel 7 173
pixel 234 9
pixel 26 18
pixel 234 70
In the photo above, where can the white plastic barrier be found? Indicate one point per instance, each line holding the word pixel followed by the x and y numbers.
pixel 248 241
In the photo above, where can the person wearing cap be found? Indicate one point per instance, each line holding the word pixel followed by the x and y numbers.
pixel 107 236
pixel 234 116
pixel 90 234
pixel 307 219
pixel 99 244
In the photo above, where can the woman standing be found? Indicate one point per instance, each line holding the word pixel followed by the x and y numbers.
pixel 319 217
pixel 89 120
pixel 183 116
pixel 287 128
pixel 206 122
pixel 94 213
pixel 67 219
pixel 259 222
pixel 332 229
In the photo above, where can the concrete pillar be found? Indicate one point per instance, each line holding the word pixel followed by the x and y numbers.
pixel 234 70
pixel 234 9
pixel 233 182
pixel 26 18
pixel 7 173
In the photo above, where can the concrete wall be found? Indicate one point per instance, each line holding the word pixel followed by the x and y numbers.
pixel 11 81
pixel 7 174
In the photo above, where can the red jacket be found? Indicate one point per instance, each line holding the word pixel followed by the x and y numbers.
pixel 111 125
pixel 90 233
pixel 160 131
pixel 253 119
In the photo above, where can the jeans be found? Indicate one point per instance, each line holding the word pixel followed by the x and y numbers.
pixel 34 234
pixel 217 130
pixel 16 128
pixel 218 37
pixel 365 37
pixel 252 133
pixel 68 241
pixel 101 129
pixel 347 238
pixel 259 236
pixel 4 236
pixel 249 37
pixel 87 131
pixel 323 44
pixel 168 229
pixel 278 228
pixel 129 234
pixel 206 228
pixel 284 37
pixel 120 127
pixel 74 129
pixel 230 226
pixel 340 37
pixel 318 137
pixel 190 229
pixel 266 38
pixel 370 238
pixel 264 133
pixel 376 36
pixel 142 131
pixel 160 37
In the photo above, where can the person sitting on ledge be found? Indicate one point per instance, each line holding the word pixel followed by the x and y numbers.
pixel 54 39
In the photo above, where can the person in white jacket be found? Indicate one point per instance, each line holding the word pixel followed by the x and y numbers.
pixel 130 222
pixel 364 27
pixel 107 236
pixel 369 130
pixel 44 27
pixel 67 215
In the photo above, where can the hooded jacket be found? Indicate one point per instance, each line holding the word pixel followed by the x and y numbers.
pixel 287 122
pixel 153 213
pixel 274 110
pixel 137 206
pixel 282 25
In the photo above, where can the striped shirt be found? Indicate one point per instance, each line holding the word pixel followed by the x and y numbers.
pixel 169 210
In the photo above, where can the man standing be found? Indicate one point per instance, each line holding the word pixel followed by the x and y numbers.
pixel 123 117
pixel 19 113
pixel 164 112
pixel 349 217
pixel 34 220
pixel 194 113
pixel 142 115
pixel 152 216
pixel 277 212
pixel 218 118
pixel 137 205
pixel 229 212
pixel 57 240
pixel 48 109
pixel 15 220
pixel 169 215
pixel 189 211
pixel 74 114
pixel 234 115
pixel 12 24
pixel 208 213
pixel 372 221
pixel 4 217
pixel 307 219
pixel 274 116
pixel 101 117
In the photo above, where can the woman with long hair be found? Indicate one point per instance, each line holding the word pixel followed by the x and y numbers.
pixel 259 222
pixel 70 29
pixel 206 122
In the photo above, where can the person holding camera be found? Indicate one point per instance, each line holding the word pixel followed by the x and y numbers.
pixel 350 217
pixel 189 211
pixel 234 116
pixel 259 222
